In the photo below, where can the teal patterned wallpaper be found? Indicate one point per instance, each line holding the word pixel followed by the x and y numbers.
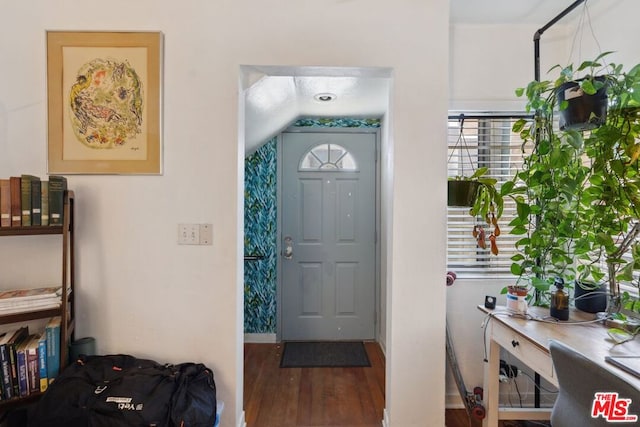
pixel 260 226
pixel 260 232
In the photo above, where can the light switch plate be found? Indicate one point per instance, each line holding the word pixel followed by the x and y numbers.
pixel 206 234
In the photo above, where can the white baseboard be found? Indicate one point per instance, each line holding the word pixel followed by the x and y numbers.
pixel 260 338
pixel 383 348
pixel 453 401
pixel 385 420
pixel 242 422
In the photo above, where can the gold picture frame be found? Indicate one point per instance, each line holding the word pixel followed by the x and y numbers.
pixel 104 102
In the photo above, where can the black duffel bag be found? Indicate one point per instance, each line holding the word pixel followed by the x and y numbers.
pixel 121 390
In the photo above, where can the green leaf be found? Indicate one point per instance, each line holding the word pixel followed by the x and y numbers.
pixel 574 139
pixel 518 230
pixel 540 284
pixel 477 205
pixel 523 210
pixel 500 205
pixel 627 273
pixel 515 222
pixel 564 104
pixel 479 172
pixel 516 270
pixel 587 87
pixel 488 181
pixel 604 239
pixel 507 187
pixel 596 180
pixel 602 55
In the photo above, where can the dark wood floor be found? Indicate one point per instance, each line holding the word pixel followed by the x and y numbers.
pixel 305 397
pixel 301 397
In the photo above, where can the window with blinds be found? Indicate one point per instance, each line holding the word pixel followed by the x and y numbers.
pixel 474 141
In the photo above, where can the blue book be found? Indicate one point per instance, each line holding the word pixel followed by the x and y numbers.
pixel 52 333
pixel 20 335
pixel 21 363
pixel 42 362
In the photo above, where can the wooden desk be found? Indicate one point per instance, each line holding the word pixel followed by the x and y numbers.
pixel 528 340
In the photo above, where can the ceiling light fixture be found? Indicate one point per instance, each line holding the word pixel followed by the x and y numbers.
pixel 325 97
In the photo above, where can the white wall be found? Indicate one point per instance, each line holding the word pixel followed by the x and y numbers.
pixel 487 64
pixel 138 291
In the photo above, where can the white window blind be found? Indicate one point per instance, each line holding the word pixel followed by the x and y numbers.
pixel 487 142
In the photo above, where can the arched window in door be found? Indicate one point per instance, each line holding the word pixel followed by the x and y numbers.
pixel 328 157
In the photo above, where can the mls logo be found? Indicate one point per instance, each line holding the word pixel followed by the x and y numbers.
pixel 612 408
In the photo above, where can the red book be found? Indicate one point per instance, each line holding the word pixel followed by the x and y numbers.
pixel 5 203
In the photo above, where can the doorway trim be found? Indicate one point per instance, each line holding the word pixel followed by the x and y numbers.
pixel 377 216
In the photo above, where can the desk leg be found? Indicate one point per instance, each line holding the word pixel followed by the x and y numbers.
pixel 492 385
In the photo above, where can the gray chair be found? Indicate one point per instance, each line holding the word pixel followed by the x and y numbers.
pixel 579 379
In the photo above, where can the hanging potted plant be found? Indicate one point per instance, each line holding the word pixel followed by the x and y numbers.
pixel 478 193
pixel 462 191
pixel 582 103
pixel 475 191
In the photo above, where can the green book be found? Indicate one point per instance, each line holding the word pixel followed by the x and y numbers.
pixel 36 202
pixel 25 199
pixel 57 187
pixel 44 202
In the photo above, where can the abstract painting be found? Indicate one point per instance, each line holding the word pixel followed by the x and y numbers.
pixel 104 102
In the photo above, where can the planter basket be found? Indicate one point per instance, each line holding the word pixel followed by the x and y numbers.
pixel 462 193
pixel 584 112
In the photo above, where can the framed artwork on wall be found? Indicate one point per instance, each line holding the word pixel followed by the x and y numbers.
pixel 104 102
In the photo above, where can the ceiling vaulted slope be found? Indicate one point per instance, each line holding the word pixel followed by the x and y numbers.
pixel 276 96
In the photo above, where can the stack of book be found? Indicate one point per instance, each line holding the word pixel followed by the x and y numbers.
pixel 27 200
pixel 29 362
pixel 22 300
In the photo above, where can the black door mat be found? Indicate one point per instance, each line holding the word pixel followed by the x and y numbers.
pixel 323 354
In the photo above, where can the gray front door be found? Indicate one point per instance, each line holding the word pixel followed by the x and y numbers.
pixel 328 236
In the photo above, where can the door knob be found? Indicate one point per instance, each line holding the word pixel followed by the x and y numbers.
pixel 288 248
